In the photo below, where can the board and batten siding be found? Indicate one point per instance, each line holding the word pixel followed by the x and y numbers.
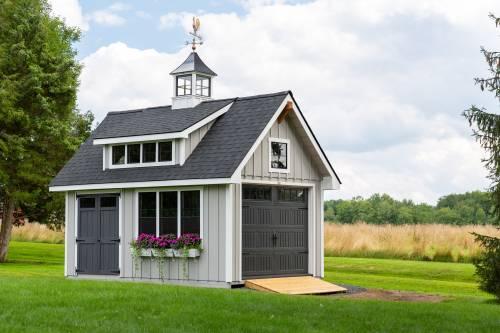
pixel 302 171
pixel 195 137
pixel 209 267
pixel 301 165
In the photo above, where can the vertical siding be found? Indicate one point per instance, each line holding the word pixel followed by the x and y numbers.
pixel 70 232
pixel 211 264
pixel 195 137
pixel 302 168
pixel 237 233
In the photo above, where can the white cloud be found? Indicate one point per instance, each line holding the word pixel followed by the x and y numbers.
pixel 382 82
pixel 70 11
pixel 173 19
pixel 106 18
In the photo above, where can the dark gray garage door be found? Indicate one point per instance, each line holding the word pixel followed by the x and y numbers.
pixel 274 231
pixel 98 234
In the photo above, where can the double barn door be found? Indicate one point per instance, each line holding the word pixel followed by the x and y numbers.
pixel 98 237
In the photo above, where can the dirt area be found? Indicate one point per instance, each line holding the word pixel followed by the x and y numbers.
pixel 394 296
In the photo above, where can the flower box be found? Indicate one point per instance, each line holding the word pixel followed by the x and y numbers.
pixel 191 253
pixel 156 253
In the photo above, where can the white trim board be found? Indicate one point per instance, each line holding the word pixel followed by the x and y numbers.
pixel 161 183
pixel 164 136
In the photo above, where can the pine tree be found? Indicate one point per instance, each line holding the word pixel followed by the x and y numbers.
pixel 486 129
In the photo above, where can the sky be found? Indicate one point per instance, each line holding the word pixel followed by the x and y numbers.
pixel 383 83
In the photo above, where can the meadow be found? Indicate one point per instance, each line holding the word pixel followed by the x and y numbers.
pixel 430 242
pixel 35 297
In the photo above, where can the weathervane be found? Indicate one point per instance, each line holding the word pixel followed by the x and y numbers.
pixel 197 40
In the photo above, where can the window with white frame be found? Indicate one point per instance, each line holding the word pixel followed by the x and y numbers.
pixel 183 85
pixel 142 154
pixel 170 212
pixel 202 85
pixel 279 155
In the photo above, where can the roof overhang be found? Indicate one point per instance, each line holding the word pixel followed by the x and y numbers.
pixel 164 136
pixel 330 182
pixel 161 183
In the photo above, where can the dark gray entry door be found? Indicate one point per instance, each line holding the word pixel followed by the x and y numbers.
pixel 98 237
pixel 274 222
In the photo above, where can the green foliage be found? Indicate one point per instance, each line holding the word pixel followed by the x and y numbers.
pixel 41 127
pixel 486 129
pixel 457 209
pixel 488 264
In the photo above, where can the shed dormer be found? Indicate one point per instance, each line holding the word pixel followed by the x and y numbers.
pixel 193 83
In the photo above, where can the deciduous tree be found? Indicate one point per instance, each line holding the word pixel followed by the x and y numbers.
pixel 40 127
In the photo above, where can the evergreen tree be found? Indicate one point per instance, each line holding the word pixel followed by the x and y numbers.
pixel 39 125
pixel 486 129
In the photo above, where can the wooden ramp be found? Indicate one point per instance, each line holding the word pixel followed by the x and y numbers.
pixel 297 285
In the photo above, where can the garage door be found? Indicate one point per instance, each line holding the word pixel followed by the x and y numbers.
pixel 274 221
pixel 98 234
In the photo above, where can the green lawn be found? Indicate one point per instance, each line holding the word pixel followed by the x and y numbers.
pixel 35 297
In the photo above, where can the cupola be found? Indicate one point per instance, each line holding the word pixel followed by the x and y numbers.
pixel 192 80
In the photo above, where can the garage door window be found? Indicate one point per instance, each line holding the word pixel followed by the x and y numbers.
pixel 170 212
pixel 292 194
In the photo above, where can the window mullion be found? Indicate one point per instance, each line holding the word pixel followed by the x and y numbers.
pixel 157 214
pixel 178 213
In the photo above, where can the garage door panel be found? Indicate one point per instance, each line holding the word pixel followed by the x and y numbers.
pixel 255 240
pixel 274 235
pixel 292 262
pixel 257 215
pixel 257 264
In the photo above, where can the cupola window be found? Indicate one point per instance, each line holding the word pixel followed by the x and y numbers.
pixel 202 86
pixel 183 85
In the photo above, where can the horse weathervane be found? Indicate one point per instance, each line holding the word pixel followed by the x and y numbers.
pixel 197 40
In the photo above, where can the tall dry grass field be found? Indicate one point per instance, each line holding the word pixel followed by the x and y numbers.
pixel 36 232
pixel 438 242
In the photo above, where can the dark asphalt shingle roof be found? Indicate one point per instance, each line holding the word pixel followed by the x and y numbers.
pixel 216 156
pixel 161 119
pixel 193 63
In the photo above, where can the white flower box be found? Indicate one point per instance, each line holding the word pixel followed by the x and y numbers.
pixel 156 253
pixel 191 253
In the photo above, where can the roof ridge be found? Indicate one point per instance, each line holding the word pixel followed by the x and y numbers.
pixel 284 92
pixel 138 110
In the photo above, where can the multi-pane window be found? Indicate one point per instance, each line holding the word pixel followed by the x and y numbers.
pixel 165 151
pixel 292 194
pixel 142 153
pixel 202 86
pixel 168 213
pixel 147 213
pixel 279 155
pixel 169 219
pixel 133 154
pixel 190 212
pixel 118 154
pixel 257 193
pixel 149 152
pixel 183 85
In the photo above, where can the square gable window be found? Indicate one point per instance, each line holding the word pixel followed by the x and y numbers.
pixel 165 151
pixel 148 152
pixel 118 154
pixel 279 155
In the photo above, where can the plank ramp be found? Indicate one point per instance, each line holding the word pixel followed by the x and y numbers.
pixel 296 285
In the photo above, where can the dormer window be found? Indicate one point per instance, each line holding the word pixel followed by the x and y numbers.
pixel 183 85
pixel 141 154
pixel 202 85
pixel 279 155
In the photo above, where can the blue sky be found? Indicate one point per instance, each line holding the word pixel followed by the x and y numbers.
pixel 382 82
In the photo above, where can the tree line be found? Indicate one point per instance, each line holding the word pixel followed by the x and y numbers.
pixel 475 207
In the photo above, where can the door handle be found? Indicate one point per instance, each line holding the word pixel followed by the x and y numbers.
pixel 274 237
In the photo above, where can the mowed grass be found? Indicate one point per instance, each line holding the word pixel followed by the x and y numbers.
pixel 35 297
